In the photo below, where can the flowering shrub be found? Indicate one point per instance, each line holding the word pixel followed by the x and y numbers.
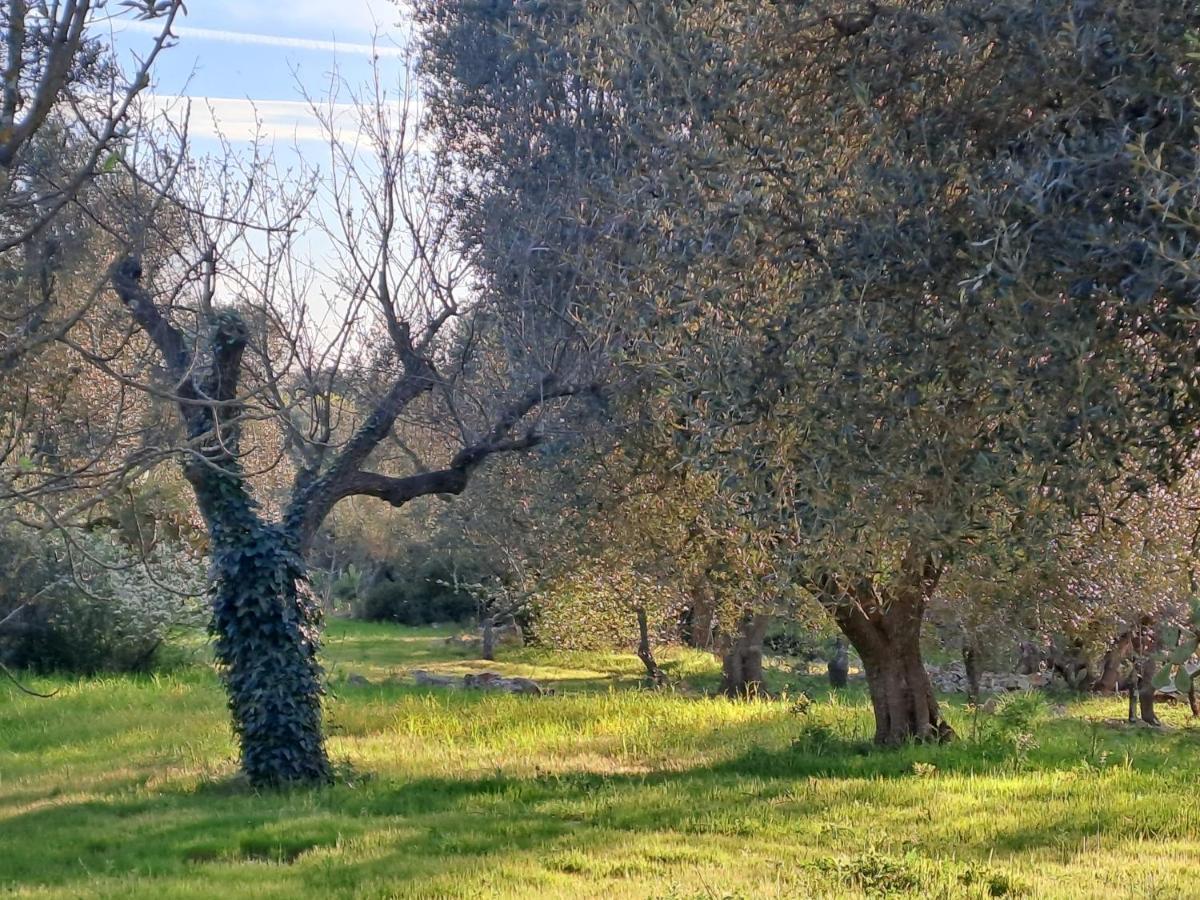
pixel 93 603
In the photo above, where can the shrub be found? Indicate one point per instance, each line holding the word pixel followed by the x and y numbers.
pixel 94 604
pixel 434 590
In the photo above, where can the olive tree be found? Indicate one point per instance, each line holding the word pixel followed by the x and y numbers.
pixel 947 294
pixel 918 280
pixel 622 545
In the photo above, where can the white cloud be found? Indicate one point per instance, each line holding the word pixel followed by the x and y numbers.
pixel 383 48
pixel 239 119
pixel 242 120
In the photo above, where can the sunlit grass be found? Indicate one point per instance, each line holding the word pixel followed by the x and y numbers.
pixel 126 787
pixel 355 648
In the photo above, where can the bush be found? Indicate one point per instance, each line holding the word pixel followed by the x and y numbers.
pixel 94 605
pixel 432 591
pixel 800 639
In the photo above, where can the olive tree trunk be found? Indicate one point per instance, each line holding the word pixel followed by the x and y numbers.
pixel 742 662
pixel 645 651
pixel 884 626
pixel 1142 691
pixel 970 655
pixel 1145 667
pixel 700 625
pixel 1109 681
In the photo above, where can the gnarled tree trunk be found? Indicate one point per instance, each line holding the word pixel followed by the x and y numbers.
pixel 884 626
pixel 742 662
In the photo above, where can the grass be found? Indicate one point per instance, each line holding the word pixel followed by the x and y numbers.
pixel 126 787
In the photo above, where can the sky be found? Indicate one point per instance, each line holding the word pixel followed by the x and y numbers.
pixel 245 67
pixel 250 61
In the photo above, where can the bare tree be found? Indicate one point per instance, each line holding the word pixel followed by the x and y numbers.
pixel 413 352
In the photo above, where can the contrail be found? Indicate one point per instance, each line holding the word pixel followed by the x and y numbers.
pixel 269 40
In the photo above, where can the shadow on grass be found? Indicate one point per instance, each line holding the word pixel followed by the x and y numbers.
pixel 429 828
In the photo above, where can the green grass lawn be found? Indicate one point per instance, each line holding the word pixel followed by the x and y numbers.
pixel 126 787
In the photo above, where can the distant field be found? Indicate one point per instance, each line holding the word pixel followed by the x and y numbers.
pixel 126 787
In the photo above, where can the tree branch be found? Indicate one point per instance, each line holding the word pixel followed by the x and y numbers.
pixel 398 490
pixel 127 280
pixel 210 412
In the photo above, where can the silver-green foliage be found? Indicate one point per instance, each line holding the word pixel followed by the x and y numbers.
pixel 94 603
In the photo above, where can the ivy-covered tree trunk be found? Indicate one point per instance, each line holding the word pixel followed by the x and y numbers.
pixel 264 620
pixel 266 624
pixel 742 662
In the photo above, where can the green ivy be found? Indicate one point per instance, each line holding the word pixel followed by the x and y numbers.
pixel 267 631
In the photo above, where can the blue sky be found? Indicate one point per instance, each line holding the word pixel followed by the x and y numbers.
pixel 245 59
pixel 242 67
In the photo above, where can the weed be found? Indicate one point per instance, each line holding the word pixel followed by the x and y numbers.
pixel 874 873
